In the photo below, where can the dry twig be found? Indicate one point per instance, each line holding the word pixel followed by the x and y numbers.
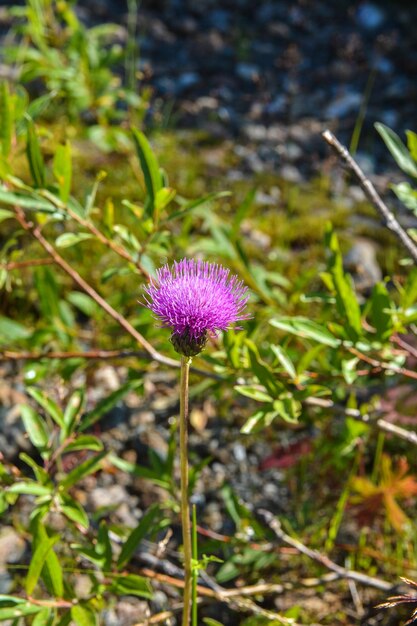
pixel 371 193
pixel 273 523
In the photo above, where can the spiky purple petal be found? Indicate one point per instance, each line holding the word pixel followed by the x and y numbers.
pixel 195 298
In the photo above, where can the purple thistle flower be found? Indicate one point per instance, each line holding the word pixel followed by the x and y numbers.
pixel 195 298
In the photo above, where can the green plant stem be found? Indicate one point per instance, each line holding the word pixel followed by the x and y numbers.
pixel 195 569
pixel 185 507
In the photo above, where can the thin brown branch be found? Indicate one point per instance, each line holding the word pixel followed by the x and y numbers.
pixel 109 243
pixel 388 427
pixel 122 321
pixel 236 598
pixel 411 350
pixel 372 194
pixel 273 523
pixel 384 366
pixel 8 355
pixel 17 265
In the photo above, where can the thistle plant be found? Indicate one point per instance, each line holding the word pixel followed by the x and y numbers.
pixel 195 299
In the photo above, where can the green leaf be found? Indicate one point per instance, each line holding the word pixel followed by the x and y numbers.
pixel 51 572
pixel 6 119
pixel 254 393
pixel 103 546
pixel 38 561
pixel 211 622
pixel 285 360
pixel 42 475
pixel 48 405
pixel 83 616
pixel 84 303
pixel 35 426
pixel 164 197
pixel 398 150
pixel 72 412
pixel 150 168
pixel 379 313
pixel 141 472
pixel 412 143
pixel 137 535
pixel 5 214
pixel 346 300
pixel 44 618
pixel 90 466
pixel 132 585
pixel 407 195
pixel 304 327
pixel 62 169
pixel 12 331
pixel 258 421
pixel 19 611
pixel 74 511
pixel 349 370
pixel 84 442
pixel 34 155
pixel 66 240
pixel 25 201
pixel 30 488
pixel 106 404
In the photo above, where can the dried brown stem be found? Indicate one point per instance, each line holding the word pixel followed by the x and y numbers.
pixel 122 321
pixel 17 265
pixel 381 365
pixel 371 193
pixel 273 523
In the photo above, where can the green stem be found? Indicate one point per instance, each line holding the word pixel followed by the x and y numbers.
pixel 195 569
pixel 185 508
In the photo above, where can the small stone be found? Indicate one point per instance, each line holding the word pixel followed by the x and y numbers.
pixel 370 16
pixel 247 72
pixel 343 105
pixel 12 546
pixel 110 497
pixel 6 581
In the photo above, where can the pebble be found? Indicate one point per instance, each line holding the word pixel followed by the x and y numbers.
pixel 12 546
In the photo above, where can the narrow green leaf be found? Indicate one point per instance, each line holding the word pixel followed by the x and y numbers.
pixel 72 411
pixel 407 195
pixel 212 622
pixel 74 511
pixel 84 442
pixel 25 201
pixel 19 611
pixel 29 488
pixel 304 327
pixel 42 475
pixel 90 466
pixel 380 312
pixel 83 616
pixel 412 143
pixel 253 392
pixel 132 585
pixel 150 167
pixel 285 360
pixel 62 169
pixel 6 119
pixel 51 572
pixel 106 404
pixel 35 158
pixel 141 472
pixel 48 405
pixel 346 299
pixel 5 214
pixel 398 150
pixel 66 240
pixel 38 561
pixel 35 426
pixel 10 330
pixel 137 535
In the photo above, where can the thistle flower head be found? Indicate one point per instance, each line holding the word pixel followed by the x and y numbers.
pixel 194 299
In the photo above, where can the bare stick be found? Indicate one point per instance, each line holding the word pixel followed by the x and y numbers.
pixel 388 427
pixel 371 193
pixel 274 524
pixel 36 233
